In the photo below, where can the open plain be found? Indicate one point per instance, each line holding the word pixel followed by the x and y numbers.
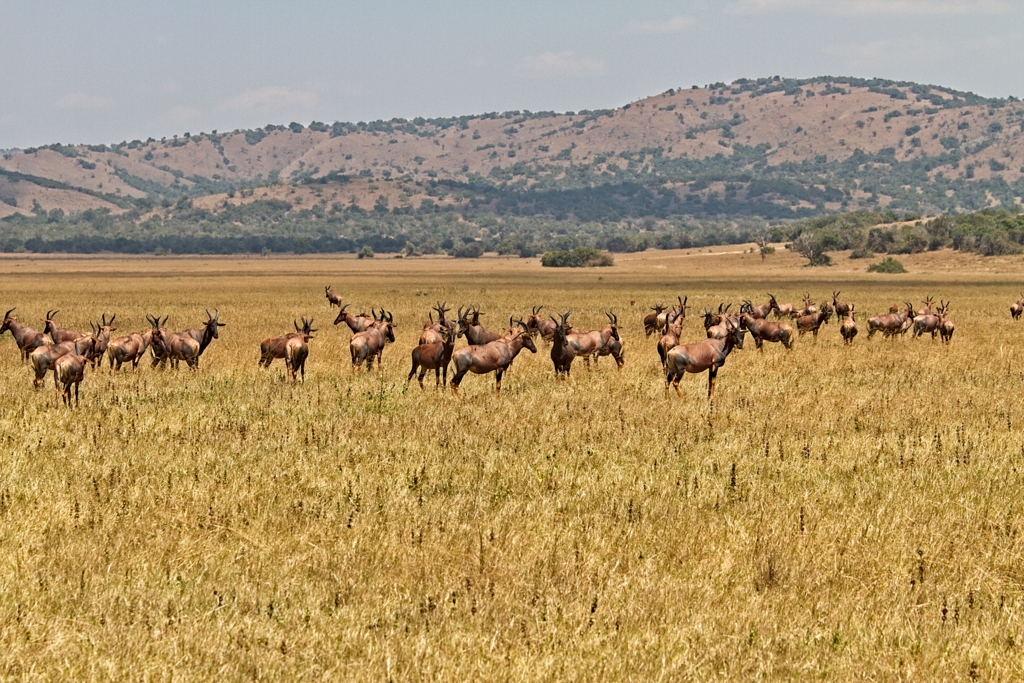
pixel 847 513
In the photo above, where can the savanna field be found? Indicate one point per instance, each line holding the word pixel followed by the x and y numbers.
pixel 836 513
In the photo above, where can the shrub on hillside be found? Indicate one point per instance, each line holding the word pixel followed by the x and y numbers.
pixel 576 258
pixel 887 265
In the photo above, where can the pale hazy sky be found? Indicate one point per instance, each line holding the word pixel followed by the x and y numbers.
pixel 89 72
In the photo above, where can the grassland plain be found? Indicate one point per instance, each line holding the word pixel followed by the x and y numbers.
pixel 838 513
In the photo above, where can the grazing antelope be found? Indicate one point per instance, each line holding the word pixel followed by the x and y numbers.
pixel 43 358
pixel 849 327
pixel 562 352
pixel 537 325
pixel 296 350
pixel 780 309
pixel 356 323
pixel 946 327
pixel 812 322
pixel 433 333
pixel 68 370
pixel 59 334
pixel 332 298
pixel 652 320
pixel 762 331
pixel 185 346
pixel 434 356
pixel 131 348
pixel 670 338
pixel 26 338
pixel 842 309
pixel 890 324
pixel 369 344
pixel 495 356
pixel 475 333
pixel 927 309
pixel 707 355
pixel 590 342
pixel 102 334
pixel 274 347
pixel 1016 309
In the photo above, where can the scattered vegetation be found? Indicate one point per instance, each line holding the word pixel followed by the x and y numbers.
pixel 576 258
pixel 887 265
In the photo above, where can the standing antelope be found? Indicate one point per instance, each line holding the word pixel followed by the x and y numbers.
pixel 849 327
pixel 707 355
pixel 434 333
pixel 611 344
pixel 356 323
pixel 808 309
pixel 652 321
pixel 812 322
pixel 26 338
pixel 780 309
pixel 926 323
pixel 102 334
pixel 762 331
pixel 493 356
pixel 590 342
pixel 68 370
pixel 537 325
pixel 131 348
pixel 332 298
pixel 842 308
pixel 59 334
pixel 890 324
pixel 434 356
pixel 43 358
pixel 670 338
pixel 475 333
pixel 927 309
pixel 562 352
pixel 946 327
pixel 1016 309
pixel 296 350
pixel 185 346
pixel 369 344
pixel 758 312
pixel 274 347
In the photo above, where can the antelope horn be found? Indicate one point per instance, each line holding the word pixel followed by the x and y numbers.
pixel 216 314
pixel 8 313
pixel 164 322
pixel 208 314
pixel 344 307
pixel 296 323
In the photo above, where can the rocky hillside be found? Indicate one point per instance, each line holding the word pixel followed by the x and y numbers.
pixel 771 148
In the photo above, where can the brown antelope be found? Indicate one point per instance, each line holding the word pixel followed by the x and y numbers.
pixel 926 323
pixel 296 350
pixel 434 356
pixel 332 298
pixel 43 358
pixel 715 323
pixel 590 342
pixel 927 309
pixel 369 344
pixel 433 333
pixel 562 352
pixel 808 309
pixel 812 322
pixel 664 315
pixel 1016 309
pixel 946 327
pixel 131 348
pixel 611 341
pixel 356 323
pixel 26 338
pixel 185 346
pixel 537 325
pixel 475 333
pixel 274 347
pixel 849 327
pixel 762 331
pixel 780 309
pixel 707 355
pixel 495 356
pixel 652 320
pixel 890 324
pixel 102 334
pixel 841 308
pixel 670 338
pixel 758 312
pixel 68 370
pixel 59 334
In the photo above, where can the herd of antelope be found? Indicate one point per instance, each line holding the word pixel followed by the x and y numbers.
pixel 66 352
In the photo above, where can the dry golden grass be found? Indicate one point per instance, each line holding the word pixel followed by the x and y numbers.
pixel 839 513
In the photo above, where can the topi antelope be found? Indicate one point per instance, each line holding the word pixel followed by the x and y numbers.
pixel 102 334
pixel 356 323
pixel 59 334
pixel 68 370
pixel 808 309
pixel 131 348
pixel 26 338
pixel 495 356
pixel 707 355
pixel 274 347
pixel 185 346
pixel 849 327
pixel 780 309
pixel 891 323
pixel 762 331
pixel 1016 309
pixel 841 308
pixel 369 344
pixel 758 312
pixel 926 323
pixel 434 333
pixel 43 358
pixel 296 350
pixel 590 342
pixel 538 325
pixel 332 298
pixel 715 323
pixel 927 309
pixel 652 321
pixel 470 328
pixel 434 356
pixel 812 322
pixel 612 342
pixel 670 338
pixel 562 352
pixel 946 326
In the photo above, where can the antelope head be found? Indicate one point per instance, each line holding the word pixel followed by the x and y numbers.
pixel 341 314
pixel 613 323
pixel 213 322
pixel 835 297
pixel 682 306
pixel 7 321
